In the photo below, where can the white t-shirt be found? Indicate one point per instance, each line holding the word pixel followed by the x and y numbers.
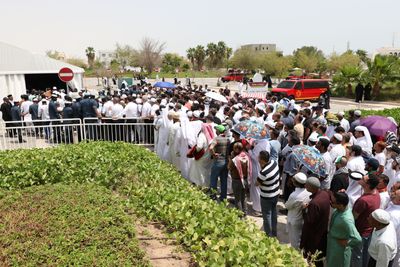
pixel 25 109
pixel 131 110
pixel 381 158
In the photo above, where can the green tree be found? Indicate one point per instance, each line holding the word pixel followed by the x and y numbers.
pixel 363 55
pixel 200 56
pixel 228 54
pixel 126 56
pixel 190 55
pixel 275 64
pixel 337 62
pixel 245 58
pixel 212 55
pixel 90 54
pixel 171 62
pixel 309 58
pixel 345 78
pixel 380 70
pixel 150 53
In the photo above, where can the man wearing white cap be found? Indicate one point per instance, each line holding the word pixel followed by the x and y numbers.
pixel 356 122
pixel 294 205
pixel 343 122
pixel 383 246
pixel 337 149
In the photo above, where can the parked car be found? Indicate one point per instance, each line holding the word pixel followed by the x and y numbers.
pixel 302 89
pixel 233 76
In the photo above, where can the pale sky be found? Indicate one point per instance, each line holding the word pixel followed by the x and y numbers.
pixel 70 26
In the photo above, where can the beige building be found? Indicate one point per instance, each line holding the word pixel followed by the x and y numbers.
pixel 386 51
pixel 261 47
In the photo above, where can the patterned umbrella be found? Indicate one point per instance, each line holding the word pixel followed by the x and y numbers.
pixel 252 129
pixel 310 158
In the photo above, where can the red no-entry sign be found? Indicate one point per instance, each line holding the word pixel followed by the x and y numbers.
pixel 66 75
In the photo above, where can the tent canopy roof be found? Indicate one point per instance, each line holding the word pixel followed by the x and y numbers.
pixel 14 60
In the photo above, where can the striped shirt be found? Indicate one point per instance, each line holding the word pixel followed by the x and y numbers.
pixel 269 180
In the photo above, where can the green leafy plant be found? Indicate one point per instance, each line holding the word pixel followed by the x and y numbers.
pixel 213 233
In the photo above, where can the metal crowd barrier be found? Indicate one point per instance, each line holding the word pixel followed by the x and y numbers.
pixel 48 133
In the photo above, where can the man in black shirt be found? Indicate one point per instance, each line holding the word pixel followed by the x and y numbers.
pixel 340 179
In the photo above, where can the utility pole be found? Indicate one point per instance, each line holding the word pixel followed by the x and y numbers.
pixel 348 45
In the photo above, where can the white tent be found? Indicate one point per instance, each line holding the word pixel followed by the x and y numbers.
pixel 15 63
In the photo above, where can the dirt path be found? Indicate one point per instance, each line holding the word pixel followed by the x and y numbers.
pixel 161 250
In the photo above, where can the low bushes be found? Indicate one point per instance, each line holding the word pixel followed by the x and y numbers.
pixel 213 233
pixel 387 112
pixel 59 225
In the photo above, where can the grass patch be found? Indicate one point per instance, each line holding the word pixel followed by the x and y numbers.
pixel 63 225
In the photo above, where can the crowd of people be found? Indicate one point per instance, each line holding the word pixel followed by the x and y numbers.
pixel 350 215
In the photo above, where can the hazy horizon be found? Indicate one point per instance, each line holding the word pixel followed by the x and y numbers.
pixel 72 26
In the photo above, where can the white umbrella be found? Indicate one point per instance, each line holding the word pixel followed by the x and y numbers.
pixel 217 97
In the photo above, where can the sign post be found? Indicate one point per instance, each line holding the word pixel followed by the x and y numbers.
pixel 66 75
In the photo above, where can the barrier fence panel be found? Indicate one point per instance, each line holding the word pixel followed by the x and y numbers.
pixel 47 133
pixel 39 134
pixel 130 130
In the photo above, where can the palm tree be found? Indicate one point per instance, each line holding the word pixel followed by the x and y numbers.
pixel 200 56
pixel 90 53
pixel 212 54
pixel 190 55
pixel 228 54
pixel 346 76
pixel 380 70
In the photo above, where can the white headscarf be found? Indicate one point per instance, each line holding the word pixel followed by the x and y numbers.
pixel 367 137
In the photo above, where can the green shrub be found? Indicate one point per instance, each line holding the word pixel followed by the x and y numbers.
pixel 213 233
pixel 387 112
pixel 59 225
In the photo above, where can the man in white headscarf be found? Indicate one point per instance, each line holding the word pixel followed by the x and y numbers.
pixel 363 139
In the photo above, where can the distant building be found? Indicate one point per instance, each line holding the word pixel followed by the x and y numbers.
pixel 261 47
pixel 388 51
pixel 106 56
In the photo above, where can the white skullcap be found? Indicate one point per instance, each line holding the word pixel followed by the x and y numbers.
pixel 240 105
pixel 313 138
pixel 300 177
pixel 189 114
pixel 54 88
pixel 271 124
pixel 357 112
pixel 124 96
pixel 163 102
pixel 196 113
pixel 338 137
pixel 195 102
pixel 341 113
pixel 381 216
pixel 153 99
pixel 139 101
